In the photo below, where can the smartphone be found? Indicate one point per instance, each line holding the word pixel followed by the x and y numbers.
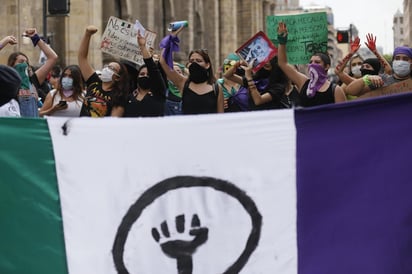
pixel 62 103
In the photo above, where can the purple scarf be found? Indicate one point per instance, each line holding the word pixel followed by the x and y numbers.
pixel 170 43
pixel 241 99
pixel 318 77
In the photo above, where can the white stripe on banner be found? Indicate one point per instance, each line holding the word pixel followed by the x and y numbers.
pixel 188 194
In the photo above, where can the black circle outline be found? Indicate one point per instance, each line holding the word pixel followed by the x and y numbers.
pixel 173 183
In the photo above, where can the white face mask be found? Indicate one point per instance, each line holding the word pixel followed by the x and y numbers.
pixel 67 83
pixel 356 71
pixel 107 75
pixel 401 68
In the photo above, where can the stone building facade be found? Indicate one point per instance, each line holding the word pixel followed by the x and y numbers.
pixel 221 26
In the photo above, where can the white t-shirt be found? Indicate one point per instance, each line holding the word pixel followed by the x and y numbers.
pixel 10 109
pixel 72 110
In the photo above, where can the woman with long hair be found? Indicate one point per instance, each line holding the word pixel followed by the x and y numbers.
pixel 200 93
pixel 67 98
pixel 105 95
pixel 32 80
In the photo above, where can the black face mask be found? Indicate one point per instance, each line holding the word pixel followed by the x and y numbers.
pixel 367 71
pixel 240 72
pixel 197 73
pixel 143 82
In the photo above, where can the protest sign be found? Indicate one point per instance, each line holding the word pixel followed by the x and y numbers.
pixel 119 39
pixel 307 34
pixel 399 87
pixel 260 48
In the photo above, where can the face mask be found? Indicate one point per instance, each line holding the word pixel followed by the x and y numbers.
pixel 67 83
pixel 401 68
pixel 22 70
pixel 143 82
pixel 356 71
pixel 367 72
pixel 240 72
pixel 107 75
pixel 197 73
pixel 318 77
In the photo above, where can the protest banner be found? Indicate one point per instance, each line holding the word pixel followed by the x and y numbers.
pixel 119 39
pixel 307 34
pixel 260 48
pixel 403 86
pixel 305 204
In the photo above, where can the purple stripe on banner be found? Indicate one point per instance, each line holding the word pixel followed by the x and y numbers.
pixel 354 183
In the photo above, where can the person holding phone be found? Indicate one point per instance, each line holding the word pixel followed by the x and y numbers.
pixel 67 99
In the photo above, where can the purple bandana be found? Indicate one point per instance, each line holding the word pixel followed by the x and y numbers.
pixel 67 93
pixel 318 77
pixel 170 43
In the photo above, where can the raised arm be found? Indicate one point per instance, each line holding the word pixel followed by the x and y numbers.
pixel 10 39
pixel 339 69
pixel 371 44
pixel 141 41
pixel 42 72
pixel 157 83
pixel 83 53
pixel 168 45
pixel 230 73
pixel 295 76
pixel 177 79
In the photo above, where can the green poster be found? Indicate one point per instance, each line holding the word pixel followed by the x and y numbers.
pixel 307 34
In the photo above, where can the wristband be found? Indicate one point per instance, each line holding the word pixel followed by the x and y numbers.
pixel 283 38
pixel 366 80
pixel 35 39
pixel 245 81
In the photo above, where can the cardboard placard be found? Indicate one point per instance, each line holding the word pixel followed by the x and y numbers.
pixel 400 87
pixel 120 40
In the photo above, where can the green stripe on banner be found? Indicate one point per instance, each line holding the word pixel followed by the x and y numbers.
pixel 31 231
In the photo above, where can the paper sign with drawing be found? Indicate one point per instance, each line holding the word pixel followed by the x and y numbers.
pixel 260 48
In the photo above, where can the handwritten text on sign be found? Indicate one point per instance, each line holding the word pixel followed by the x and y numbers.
pixel 120 39
pixel 307 34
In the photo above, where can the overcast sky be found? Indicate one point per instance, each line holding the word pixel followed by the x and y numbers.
pixel 374 17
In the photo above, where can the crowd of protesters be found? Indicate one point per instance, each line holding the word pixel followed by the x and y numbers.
pixel 163 87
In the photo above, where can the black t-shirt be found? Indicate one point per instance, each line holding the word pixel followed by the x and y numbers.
pixel 152 103
pixel 193 103
pixel 277 92
pixel 150 106
pixel 98 102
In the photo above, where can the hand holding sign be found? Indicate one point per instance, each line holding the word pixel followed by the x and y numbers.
pixel 121 39
pixel 139 27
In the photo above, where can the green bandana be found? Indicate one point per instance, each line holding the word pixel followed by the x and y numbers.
pixel 22 70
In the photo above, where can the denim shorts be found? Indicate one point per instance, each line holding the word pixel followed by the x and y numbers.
pixel 28 106
pixel 173 107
